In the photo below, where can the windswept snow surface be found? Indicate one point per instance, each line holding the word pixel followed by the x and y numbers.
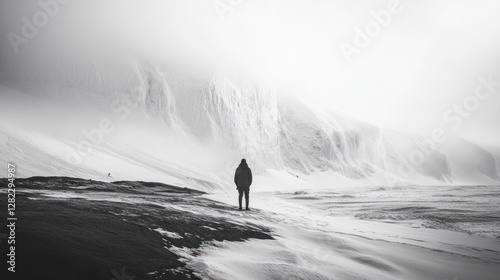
pixel 399 233
pixel 435 232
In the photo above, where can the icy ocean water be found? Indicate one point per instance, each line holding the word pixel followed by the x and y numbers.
pixel 470 209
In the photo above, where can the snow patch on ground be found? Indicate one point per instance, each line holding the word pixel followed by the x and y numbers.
pixel 168 233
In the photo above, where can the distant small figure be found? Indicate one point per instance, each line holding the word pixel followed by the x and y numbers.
pixel 243 180
pixel 109 174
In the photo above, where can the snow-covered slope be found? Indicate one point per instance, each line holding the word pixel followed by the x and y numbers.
pixel 312 140
pixel 192 129
pixel 471 163
pixel 413 161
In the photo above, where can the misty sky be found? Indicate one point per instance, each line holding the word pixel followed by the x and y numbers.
pixel 427 58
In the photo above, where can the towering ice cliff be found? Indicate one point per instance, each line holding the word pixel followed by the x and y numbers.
pixel 237 115
pixel 271 130
pixel 312 140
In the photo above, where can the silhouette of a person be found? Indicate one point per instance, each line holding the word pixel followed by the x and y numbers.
pixel 243 180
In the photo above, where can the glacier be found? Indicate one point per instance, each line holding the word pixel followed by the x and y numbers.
pixel 194 127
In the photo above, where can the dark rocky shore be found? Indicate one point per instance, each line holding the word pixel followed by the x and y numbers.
pixel 70 228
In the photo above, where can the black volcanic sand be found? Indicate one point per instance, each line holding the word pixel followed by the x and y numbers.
pixel 76 238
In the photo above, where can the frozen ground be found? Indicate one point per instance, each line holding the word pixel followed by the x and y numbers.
pixel 468 209
pixel 158 231
pixel 70 228
pixel 365 233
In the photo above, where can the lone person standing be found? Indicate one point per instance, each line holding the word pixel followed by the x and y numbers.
pixel 243 180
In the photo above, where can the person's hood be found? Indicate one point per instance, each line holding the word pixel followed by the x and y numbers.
pixel 243 165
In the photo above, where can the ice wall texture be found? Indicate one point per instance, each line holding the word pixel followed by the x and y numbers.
pixel 272 131
pixel 238 116
pixel 312 140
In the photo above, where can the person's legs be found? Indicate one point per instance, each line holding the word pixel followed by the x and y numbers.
pixel 247 197
pixel 240 197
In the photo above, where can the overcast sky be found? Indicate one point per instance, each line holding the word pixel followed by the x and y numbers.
pixel 426 58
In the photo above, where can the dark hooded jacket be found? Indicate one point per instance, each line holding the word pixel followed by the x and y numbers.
pixel 243 176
